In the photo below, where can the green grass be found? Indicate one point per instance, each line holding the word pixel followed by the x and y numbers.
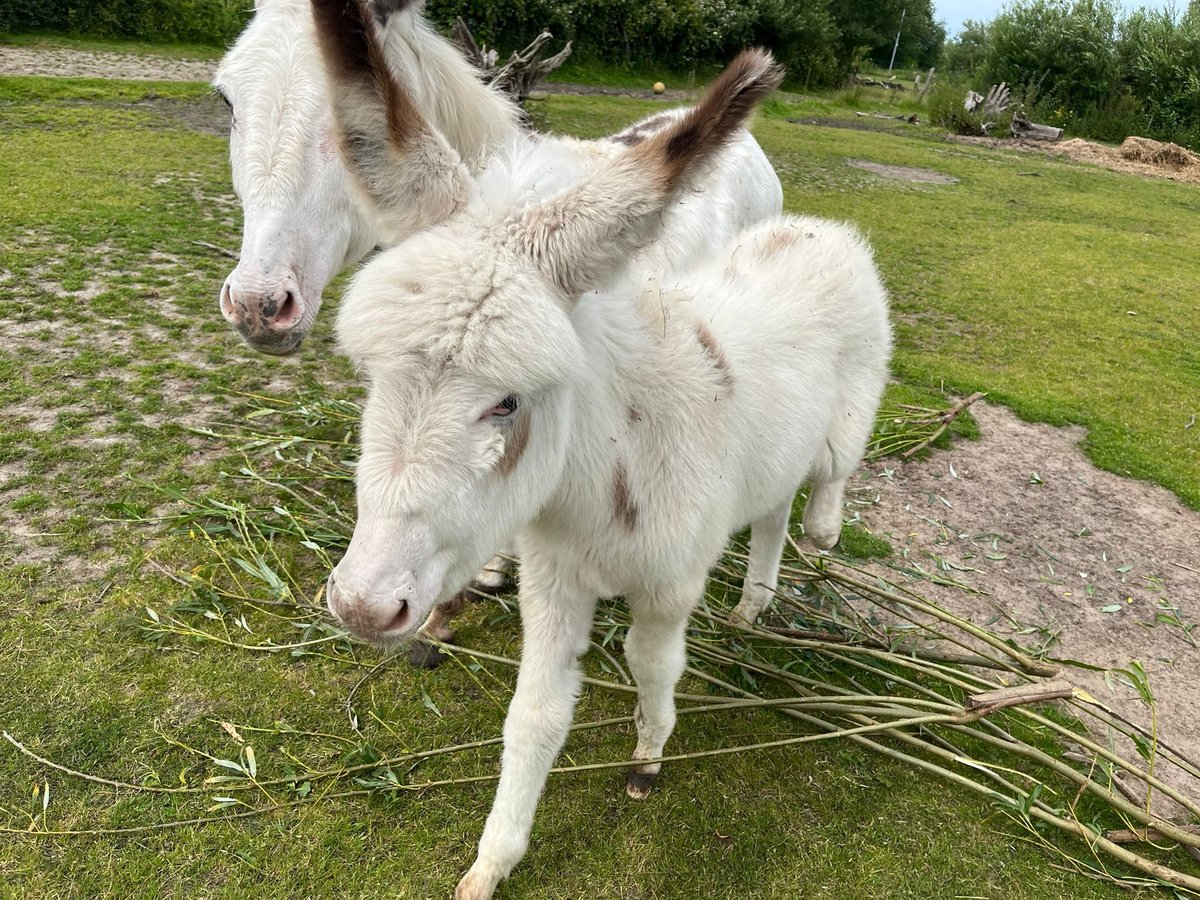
pixel 100 45
pixel 96 394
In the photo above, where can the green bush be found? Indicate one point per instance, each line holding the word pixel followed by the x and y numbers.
pixel 192 21
pixel 1081 65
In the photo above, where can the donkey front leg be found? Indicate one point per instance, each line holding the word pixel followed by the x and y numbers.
pixel 655 650
pixel 555 637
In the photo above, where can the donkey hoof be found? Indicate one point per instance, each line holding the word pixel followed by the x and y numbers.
pixel 490 583
pixel 638 784
pixel 425 656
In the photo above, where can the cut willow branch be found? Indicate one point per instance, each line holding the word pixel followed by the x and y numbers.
pixel 1026 663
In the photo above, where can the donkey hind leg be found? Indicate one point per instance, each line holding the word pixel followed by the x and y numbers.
pixel 762 572
pixel 497 574
pixel 655 650
pixel 425 655
pixel 556 630
pixel 845 442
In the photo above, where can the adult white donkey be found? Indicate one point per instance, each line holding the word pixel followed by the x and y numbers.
pixel 303 223
pixel 515 382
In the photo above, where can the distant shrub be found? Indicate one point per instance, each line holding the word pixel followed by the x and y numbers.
pixel 192 21
pixel 1082 65
pixel 967 53
pixel 946 110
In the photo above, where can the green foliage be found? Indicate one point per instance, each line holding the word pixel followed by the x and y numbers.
pixel 946 110
pixel 871 26
pixel 1082 65
pixel 816 40
pixel 967 53
pixel 1065 48
pixel 200 21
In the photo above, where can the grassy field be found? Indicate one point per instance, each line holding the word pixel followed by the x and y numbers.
pixel 113 347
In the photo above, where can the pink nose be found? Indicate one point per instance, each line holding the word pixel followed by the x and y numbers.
pixel 370 618
pixel 266 315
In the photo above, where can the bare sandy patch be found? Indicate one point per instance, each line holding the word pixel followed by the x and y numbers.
pixel 902 173
pixel 1053 552
pixel 68 63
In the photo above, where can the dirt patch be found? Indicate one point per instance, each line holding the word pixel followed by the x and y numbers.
pixel 591 90
pixel 902 173
pixel 68 63
pixel 1054 552
pixel 852 124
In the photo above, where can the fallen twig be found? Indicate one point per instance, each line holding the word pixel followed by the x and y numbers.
pixel 215 249
pixel 945 417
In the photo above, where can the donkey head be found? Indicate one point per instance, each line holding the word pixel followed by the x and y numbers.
pixel 466 335
pixel 302 224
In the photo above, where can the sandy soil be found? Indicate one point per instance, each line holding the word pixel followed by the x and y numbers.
pixel 1093 566
pixel 87 64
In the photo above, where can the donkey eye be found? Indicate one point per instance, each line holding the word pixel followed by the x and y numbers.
pixel 224 98
pixel 504 408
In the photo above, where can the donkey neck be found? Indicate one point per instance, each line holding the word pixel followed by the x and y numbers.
pixel 474 118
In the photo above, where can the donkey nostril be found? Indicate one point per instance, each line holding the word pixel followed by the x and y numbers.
pixel 399 620
pixel 228 308
pixel 288 312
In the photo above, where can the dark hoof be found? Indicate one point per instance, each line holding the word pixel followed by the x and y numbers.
pixel 425 656
pixel 638 784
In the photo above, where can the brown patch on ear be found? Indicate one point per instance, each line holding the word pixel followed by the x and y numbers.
pixel 514 444
pixel 708 125
pixel 625 509
pixel 715 353
pixel 639 131
pixel 355 59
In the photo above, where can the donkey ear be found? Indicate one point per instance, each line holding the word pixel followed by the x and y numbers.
pixel 578 237
pixel 406 169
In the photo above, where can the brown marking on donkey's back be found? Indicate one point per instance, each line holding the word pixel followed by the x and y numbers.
pixel 715 353
pixel 625 509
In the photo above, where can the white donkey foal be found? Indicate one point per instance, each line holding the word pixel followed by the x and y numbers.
pixel 514 383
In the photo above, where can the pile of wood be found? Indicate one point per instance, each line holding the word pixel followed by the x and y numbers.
pixel 891 84
pixel 524 70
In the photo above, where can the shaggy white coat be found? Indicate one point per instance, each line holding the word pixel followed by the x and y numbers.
pixel 303 220
pixel 654 417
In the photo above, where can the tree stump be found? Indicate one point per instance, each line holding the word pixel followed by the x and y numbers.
pixel 524 70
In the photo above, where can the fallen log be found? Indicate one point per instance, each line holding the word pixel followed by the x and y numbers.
pixel 1030 131
pixel 890 84
pixel 911 120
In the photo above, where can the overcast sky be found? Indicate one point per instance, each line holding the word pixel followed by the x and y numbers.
pixel 955 12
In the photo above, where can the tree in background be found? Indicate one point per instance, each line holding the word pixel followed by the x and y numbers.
pixel 1090 67
pixel 872 24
